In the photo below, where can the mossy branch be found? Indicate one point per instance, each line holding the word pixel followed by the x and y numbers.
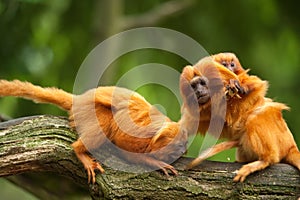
pixel 42 143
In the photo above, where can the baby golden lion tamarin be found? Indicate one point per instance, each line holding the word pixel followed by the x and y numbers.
pixel 111 114
pixel 253 123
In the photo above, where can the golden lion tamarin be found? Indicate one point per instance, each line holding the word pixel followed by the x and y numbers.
pixel 230 61
pixel 113 114
pixel 253 123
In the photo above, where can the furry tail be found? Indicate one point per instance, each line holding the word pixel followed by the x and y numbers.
pixel 212 151
pixel 36 93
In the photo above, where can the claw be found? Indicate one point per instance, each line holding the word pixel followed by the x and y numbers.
pixel 99 167
pixel 239 87
pixel 174 171
pixel 90 167
pixel 165 171
pixel 91 176
pixel 240 175
pixel 239 178
pixel 238 96
pixel 233 89
pixel 165 167
pixel 90 171
pixel 250 168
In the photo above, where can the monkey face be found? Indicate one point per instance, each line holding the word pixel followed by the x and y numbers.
pixel 231 65
pixel 200 87
pixel 230 61
pixel 199 83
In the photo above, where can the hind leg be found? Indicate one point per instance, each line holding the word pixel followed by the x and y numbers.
pixel 259 145
pixel 88 162
pixel 258 157
pixel 258 152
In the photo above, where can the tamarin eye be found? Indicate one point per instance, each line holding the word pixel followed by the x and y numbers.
pixel 202 82
pixel 224 63
pixel 232 64
pixel 193 85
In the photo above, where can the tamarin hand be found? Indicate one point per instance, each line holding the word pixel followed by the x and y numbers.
pixel 113 114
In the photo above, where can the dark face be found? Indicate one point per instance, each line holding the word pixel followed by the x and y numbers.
pixel 200 87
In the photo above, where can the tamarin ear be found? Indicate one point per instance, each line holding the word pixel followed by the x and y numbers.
pixel 188 94
pixel 188 73
pixel 185 78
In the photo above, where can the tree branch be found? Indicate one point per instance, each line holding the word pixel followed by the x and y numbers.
pixel 42 143
pixel 156 15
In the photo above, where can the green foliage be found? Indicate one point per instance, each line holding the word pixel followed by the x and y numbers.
pixel 45 42
pixel 9 191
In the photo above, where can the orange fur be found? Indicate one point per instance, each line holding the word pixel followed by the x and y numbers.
pixel 253 123
pixel 121 116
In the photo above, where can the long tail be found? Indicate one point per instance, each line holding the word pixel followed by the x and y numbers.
pixel 212 151
pixel 36 93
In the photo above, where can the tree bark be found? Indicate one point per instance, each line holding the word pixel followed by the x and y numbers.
pixel 42 143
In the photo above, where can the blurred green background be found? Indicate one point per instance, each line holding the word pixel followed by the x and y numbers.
pixel 46 41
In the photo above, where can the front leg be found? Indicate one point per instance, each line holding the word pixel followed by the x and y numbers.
pixel 250 168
